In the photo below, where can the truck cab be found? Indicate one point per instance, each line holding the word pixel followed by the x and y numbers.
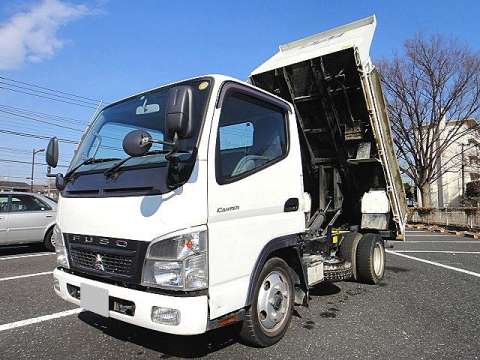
pixel 201 203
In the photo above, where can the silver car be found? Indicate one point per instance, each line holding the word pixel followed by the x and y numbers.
pixel 26 218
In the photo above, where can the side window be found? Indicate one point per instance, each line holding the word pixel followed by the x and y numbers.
pixel 251 135
pixel 3 204
pixel 236 136
pixel 27 203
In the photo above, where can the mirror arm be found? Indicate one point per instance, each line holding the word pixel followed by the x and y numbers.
pixel 49 172
pixel 173 144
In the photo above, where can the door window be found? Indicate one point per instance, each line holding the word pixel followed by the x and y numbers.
pixel 236 136
pixel 3 204
pixel 251 136
pixel 21 203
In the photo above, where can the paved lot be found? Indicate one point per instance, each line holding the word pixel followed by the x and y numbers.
pixel 427 307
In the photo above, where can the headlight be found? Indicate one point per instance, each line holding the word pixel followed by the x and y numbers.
pixel 178 263
pixel 60 249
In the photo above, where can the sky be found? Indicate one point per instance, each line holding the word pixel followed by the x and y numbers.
pixel 111 49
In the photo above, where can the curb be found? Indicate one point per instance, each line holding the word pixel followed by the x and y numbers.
pixel 444 230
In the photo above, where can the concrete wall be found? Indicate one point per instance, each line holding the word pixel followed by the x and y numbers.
pixel 468 218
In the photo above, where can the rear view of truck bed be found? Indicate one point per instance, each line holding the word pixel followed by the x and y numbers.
pixel 346 140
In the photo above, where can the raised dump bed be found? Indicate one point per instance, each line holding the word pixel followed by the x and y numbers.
pixel 347 144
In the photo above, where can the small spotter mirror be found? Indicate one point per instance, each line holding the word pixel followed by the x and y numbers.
pixel 137 143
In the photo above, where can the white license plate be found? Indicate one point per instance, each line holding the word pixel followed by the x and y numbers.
pixel 94 299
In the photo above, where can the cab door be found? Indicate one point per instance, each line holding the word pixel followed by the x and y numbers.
pixel 255 176
pixel 3 219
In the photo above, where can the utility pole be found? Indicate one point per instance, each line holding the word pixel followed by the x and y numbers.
pixel 463 174
pixel 34 152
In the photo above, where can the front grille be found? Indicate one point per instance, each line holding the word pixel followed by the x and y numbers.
pixel 108 263
pixel 106 258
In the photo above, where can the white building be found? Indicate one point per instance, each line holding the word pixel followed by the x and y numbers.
pixel 459 163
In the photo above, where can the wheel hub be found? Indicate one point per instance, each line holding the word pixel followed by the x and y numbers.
pixel 273 301
pixel 277 300
pixel 378 259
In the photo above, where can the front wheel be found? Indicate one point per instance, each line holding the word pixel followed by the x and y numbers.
pixel 370 259
pixel 267 319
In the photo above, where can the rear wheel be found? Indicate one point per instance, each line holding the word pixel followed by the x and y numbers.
pixel 48 241
pixel 370 259
pixel 267 319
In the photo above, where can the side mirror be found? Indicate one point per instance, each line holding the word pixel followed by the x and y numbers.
pixel 51 155
pixel 178 117
pixel 137 143
pixel 60 182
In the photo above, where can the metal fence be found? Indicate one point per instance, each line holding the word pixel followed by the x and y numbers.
pixel 467 218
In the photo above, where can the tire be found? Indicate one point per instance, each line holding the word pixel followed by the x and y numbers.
pixel 265 323
pixel 47 242
pixel 348 250
pixel 370 259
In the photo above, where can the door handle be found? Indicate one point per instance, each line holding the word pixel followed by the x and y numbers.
pixel 291 205
pixel 48 216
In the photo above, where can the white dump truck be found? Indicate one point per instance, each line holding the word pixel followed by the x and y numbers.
pixel 211 201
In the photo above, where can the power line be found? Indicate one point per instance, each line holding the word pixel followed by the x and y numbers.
pixel 46 88
pixel 44 137
pixel 43 115
pixel 28 163
pixel 26 127
pixel 27 151
pixel 20 151
pixel 35 136
pixel 42 121
pixel 52 124
pixel 47 97
pixel 48 93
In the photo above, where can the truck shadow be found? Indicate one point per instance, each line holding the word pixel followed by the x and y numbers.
pixel 21 249
pixel 167 344
pixel 396 269
pixel 325 288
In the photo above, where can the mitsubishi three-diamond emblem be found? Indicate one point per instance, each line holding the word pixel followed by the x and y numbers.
pixel 99 263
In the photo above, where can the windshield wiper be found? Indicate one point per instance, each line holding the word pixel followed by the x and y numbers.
pixel 116 167
pixel 87 162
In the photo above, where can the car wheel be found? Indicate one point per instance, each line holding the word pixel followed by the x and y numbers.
pixel 49 242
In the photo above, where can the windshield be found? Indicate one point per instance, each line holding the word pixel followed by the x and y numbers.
pixel 145 111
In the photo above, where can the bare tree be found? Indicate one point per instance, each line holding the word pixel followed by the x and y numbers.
pixel 434 83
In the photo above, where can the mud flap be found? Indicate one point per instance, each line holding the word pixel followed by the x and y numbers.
pixel 348 250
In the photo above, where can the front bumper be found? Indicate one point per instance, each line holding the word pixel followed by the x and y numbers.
pixel 194 310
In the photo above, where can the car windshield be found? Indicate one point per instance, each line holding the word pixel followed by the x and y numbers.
pixel 103 141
